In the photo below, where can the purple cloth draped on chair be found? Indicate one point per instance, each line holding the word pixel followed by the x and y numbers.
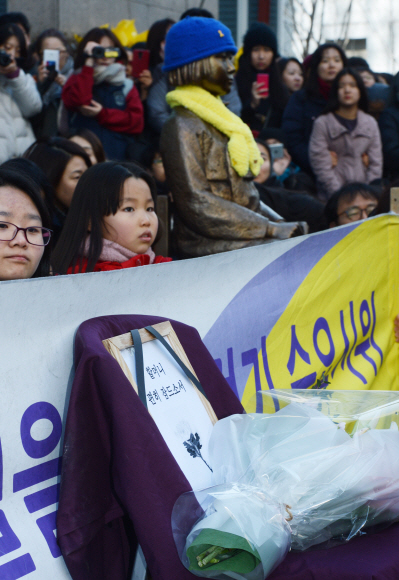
pixel 116 462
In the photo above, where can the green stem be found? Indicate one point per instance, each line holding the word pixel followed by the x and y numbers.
pixel 212 555
pixel 206 552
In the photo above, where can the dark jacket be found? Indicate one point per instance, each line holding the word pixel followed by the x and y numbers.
pixel 389 127
pixel 297 125
pixel 269 112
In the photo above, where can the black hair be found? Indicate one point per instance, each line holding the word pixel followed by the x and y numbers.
pixel 97 194
pixel 358 62
pixel 8 30
pixel 52 156
pixel 50 33
pixel 266 146
pixel 18 180
pixel 34 172
pixel 333 101
pixel 360 69
pixel 283 62
pixel 95 35
pixel 156 35
pixel 94 141
pixel 348 192
pixel 202 12
pixel 15 18
pixel 312 83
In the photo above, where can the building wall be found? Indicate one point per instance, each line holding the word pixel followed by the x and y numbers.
pixel 75 16
pixel 376 22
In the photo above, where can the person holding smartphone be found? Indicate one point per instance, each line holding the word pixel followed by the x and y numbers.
pixel 99 96
pixel 19 98
pixel 262 93
pixel 53 70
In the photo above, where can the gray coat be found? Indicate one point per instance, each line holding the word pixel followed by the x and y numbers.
pixel 329 134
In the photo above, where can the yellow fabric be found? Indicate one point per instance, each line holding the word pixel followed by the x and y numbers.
pixel 354 290
pixel 125 31
pixel 243 151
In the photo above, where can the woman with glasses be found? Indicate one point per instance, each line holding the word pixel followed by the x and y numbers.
pixel 50 80
pixel 345 145
pixel 24 229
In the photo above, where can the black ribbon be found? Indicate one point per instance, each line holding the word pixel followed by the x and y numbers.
pixel 138 353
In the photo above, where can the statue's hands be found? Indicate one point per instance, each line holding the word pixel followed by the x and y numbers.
pixel 285 230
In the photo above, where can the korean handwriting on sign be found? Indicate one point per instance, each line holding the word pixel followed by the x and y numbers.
pixel 356 340
pixel 360 325
pixel 155 370
pixel 166 393
pixel 24 565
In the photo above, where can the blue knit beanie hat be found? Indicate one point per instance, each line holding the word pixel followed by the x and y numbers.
pixel 195 38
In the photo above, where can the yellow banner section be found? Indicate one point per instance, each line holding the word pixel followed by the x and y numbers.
pixel 338 326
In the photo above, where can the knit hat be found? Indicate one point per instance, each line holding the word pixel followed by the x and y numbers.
pixel 259 34
pixel 195 38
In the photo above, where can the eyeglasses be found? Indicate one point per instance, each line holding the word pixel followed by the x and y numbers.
pixel 355 213
pixel 35 235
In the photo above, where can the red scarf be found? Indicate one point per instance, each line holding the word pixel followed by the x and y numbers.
pixel 324 88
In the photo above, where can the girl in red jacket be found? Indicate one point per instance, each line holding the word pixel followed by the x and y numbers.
pixel 111 224
pixel 99 97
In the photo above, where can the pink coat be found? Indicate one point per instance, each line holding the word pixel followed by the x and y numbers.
pixel 329 134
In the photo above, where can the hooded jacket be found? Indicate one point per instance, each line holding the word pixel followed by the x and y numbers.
pixel 19 100
pixel 330 135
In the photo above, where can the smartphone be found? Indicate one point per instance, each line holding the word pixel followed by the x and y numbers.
pixel 141 61
pixel 276 151
pixel 51 58
pixel 263 79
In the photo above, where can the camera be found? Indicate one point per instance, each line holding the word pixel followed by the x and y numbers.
pixel 5 59
pixel 102 52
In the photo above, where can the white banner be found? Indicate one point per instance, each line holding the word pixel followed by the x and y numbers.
pixel 38 321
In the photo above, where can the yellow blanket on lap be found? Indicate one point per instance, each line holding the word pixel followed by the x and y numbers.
pixel 243 151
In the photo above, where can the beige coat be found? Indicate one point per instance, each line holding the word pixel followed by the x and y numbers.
pixel 329 134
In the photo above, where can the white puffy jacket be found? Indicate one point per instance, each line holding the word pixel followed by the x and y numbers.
pixel 19 100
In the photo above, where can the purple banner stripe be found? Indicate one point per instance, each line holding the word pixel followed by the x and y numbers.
pixel 255 309
pixel 43 498
pixel 17 568
pixel 37 474
pixel 47 524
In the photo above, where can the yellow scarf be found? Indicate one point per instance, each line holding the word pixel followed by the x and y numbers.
pixel 243 151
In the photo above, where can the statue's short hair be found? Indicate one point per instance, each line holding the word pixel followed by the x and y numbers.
pixel 190 74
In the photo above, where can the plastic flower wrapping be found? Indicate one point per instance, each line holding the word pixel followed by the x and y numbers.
pixel 315 468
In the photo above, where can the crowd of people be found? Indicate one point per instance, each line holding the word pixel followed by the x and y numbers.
pixel 81 166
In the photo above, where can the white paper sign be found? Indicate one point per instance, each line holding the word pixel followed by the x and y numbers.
pixel 177 410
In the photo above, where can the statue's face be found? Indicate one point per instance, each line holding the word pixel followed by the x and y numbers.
pixel 221 76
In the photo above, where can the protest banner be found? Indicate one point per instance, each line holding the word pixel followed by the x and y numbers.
pixel 272 316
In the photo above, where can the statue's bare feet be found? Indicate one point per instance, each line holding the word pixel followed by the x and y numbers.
pixel 285 230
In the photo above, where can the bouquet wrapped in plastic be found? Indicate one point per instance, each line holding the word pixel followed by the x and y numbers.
pixel 315 468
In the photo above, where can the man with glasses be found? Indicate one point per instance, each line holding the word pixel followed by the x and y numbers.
pixel 351 203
